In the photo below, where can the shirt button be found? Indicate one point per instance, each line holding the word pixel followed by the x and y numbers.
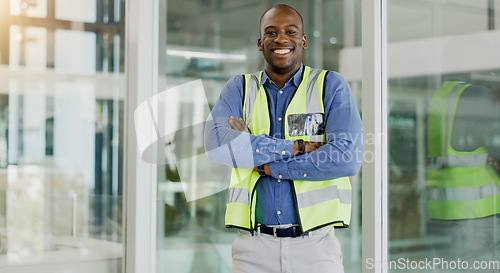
pixel 279 180
pixel 305 175
pixel 279 119
pixel 280 176
pixel 281 91
pixel 257 150
pixel 279 212
pixel 283 152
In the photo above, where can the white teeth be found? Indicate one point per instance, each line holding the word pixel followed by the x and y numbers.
pixel 282 51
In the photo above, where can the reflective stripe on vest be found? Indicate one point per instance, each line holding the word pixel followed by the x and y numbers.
pixel 314 197
pixel 463 194
pixel 460 185
pixel 306 199
pixel 452 161
pixel 239 195
pixel 319 203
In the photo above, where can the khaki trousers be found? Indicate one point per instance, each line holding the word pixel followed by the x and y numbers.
pixel 262 253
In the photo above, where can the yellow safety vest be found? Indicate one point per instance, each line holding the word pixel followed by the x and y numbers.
pixel 319 203
pixel 460 185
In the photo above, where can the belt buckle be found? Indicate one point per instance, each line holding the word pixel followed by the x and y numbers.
pixel 274 232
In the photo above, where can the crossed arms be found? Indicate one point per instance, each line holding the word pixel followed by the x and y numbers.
pixel 228 140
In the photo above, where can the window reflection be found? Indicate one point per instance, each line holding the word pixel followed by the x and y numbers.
pixel 79 11
pixel 443 122
pixel 61 136
pixel 28 47
pixel 31 8
pixel 66 41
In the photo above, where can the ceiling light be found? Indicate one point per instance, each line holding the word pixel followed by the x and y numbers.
pixel 206 55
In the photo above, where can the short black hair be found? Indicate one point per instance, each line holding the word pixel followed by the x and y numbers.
pixel 281 6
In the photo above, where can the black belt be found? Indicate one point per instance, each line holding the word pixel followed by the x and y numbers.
pixel 292 231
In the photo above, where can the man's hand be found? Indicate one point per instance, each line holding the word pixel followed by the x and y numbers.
pixel 267 170
pixel 310 146
pixel 494 162
pixel 238 124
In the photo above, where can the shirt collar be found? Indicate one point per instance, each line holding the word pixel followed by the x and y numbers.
pixel 296 78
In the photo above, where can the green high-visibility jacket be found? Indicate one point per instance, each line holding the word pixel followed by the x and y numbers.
pixel 319 203
pixel 460 185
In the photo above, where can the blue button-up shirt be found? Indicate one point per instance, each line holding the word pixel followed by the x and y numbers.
pixel 341 156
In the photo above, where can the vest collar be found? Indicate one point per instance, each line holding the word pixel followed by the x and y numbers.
pixel 296 78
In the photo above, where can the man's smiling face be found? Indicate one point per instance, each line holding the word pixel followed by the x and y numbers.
pixel 282 40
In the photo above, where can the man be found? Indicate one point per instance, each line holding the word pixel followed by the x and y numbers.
pixel 288 187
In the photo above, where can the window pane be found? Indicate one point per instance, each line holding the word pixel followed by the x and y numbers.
pixel 61 143
pixel 76 10
pixel 66 42
pixel 444 127
pixel 29 8
pixel 214 41
pixel 28 47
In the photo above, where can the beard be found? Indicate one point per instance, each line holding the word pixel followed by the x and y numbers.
pixel 281 68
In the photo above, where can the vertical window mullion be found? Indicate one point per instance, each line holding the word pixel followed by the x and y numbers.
pixel 374 108
pixel 141 70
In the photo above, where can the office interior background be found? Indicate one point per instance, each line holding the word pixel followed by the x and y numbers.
pixel 74 186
